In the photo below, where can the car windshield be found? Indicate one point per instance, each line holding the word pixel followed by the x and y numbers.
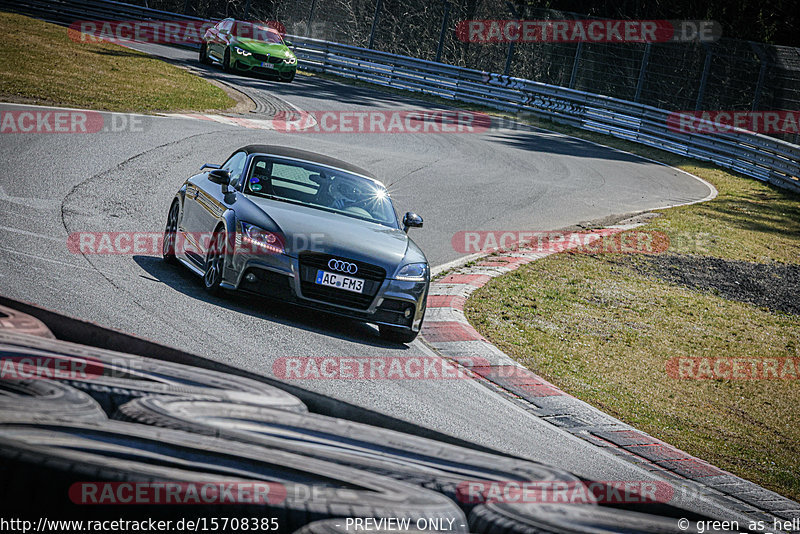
pixel 259 32
pixel 320 187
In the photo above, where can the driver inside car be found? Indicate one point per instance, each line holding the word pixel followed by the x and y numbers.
pixel 344 193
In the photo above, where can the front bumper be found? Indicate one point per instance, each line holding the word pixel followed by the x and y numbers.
pixel 282 277
pixel 262 65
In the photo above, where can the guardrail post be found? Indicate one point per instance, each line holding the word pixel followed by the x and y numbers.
pixel 510 54
pixel 703 79
pixel 573 77
pixel 509 57
pixel 311 16
pixel 443 32
pixel 642 72
pixel 378 5
pixel 762 72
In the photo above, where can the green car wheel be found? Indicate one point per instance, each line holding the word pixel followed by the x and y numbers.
pixel 227 65
pixel 204 59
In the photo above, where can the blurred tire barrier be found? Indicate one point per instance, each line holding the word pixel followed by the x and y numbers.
pixel 175 428
pixel 340 526
pixel 569 519
pixel 26 399
pixel 437 466
pixel 23 323
pixel 66 465
pixel 114 378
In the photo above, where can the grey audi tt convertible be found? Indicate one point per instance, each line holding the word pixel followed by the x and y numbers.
pixel 304 228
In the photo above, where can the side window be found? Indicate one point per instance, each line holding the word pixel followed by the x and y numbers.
pixel 235 166
pixel 226 25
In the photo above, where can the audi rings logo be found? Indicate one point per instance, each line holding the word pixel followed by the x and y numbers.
pixel 343 266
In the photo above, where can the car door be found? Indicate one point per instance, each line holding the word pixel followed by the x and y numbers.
pixel 222 38
pixel 204 203
pixel 211 202
pixel 210 38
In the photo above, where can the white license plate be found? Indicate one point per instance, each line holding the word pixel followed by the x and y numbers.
pixel 324 278
pixel 267 65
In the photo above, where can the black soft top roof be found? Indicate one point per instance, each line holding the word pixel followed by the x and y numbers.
pixel 313 157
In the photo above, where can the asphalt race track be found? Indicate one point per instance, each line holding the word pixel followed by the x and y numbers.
pixel 52 185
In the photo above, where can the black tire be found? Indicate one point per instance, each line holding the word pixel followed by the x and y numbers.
pixel 430 464
pixel 117 378
pixel 287 79
pixel 227 66
pixel 19 399
pixel 204 59
pixel 397 335
pixel 171 233
pixel 566 519
pixel 215 262
pixel 41 461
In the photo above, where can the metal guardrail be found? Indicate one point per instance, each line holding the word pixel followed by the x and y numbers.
pixel 758 156
pixel 755 155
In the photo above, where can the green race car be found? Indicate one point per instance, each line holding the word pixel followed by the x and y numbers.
pixel 248 46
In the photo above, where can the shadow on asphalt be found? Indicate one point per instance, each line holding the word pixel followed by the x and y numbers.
pixel 184 281
pixel 562 145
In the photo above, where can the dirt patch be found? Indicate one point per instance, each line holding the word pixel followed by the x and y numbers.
pixel 775 286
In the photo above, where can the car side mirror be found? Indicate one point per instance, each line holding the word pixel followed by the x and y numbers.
pixel 220 176
pixel 411 220
pixel 288 43
pixel 210 166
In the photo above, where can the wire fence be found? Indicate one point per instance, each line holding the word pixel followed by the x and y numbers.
pixel 728 74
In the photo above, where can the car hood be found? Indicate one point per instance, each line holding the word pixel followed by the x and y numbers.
pixel 260 47
pixel 308 228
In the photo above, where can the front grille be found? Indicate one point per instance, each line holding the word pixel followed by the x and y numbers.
pixel 310 262
pixel 341 297
pixel 366 271
pixel 264 57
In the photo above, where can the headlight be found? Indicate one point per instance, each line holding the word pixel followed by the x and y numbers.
pixel 290 60
pixel 260 240
pixel 413 272
pixel 242 51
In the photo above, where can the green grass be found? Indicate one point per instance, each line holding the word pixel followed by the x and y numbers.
pixel 42 65
pixel 603 332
